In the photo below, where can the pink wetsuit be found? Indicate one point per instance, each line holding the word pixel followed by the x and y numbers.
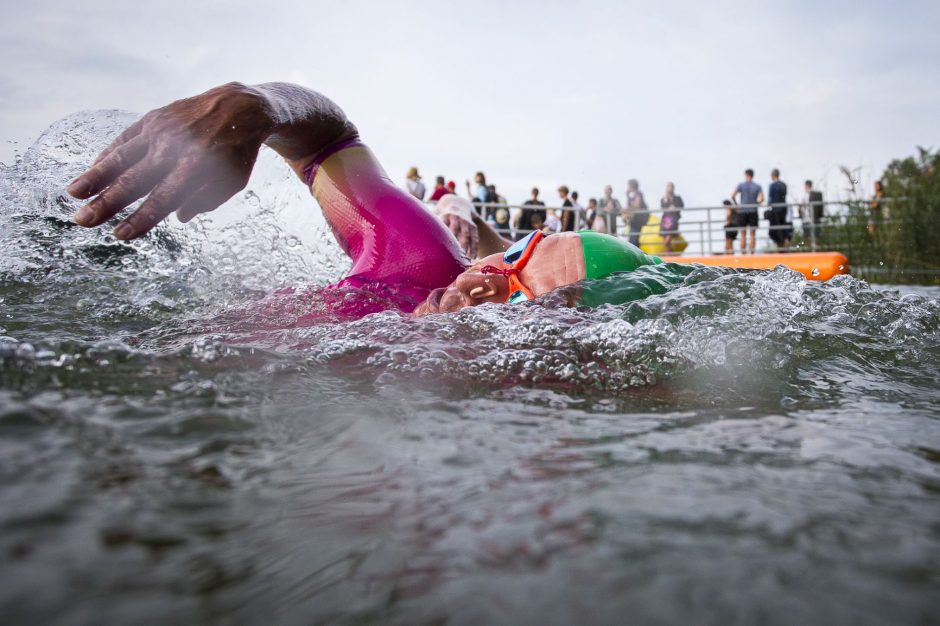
pixel 398 248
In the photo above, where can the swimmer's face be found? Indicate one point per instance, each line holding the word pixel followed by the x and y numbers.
pixel 470 289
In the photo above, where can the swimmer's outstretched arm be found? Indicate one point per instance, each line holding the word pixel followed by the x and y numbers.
pixel 194 154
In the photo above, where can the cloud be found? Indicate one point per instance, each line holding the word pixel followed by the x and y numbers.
pixel 590 94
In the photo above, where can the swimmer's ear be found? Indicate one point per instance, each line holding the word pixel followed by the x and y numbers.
pixel 484 288
pixel 482 292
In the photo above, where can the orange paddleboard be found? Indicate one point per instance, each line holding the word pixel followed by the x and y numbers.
pixel 813 265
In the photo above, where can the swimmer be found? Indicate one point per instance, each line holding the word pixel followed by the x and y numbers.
pixel 192 155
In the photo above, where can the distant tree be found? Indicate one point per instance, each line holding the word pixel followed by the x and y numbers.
pixel 916 183
pixel 904 244
pixel 914 176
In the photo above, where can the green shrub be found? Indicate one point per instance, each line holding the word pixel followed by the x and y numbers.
pixel 902 245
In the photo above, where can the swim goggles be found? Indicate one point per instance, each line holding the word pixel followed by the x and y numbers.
pixel 514 260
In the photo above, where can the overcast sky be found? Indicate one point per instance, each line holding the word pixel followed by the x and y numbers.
pixel 581 93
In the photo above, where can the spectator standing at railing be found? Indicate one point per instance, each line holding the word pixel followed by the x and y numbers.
pixel 452 186
pixel 567 217
pixel 811 212
pixel 538 223
pixel 578 211
pixel 731 225
pixel 479 191
pixel 592 218
pixel 875 206
pixel 552 223
pixel 610 209
pixel 480 194
pixel 526 220
pixel 751 195
pixel 636 214
pixel 440 189
pixel 500 213
pixel 778 215
pixel 414 184
pixel 671 204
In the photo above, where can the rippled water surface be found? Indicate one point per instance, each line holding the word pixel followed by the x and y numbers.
pixel 192 429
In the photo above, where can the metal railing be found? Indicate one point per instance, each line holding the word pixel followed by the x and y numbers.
pixel 704 228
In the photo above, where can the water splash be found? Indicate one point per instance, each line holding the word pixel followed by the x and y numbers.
pixel 270 236
pixel 202 431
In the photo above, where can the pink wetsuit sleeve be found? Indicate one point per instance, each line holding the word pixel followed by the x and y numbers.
pixel 395 243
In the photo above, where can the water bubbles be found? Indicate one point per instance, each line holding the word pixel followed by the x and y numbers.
pixel 25 351
pixel 252 199
pixel 8 347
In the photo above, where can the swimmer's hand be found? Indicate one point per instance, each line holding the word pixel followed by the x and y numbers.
pixel 457 215
pixel 465 232
pixel 189 156
pixel 194 154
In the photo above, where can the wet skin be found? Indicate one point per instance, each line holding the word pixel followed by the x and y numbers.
pixel 192 155
pixel 557 261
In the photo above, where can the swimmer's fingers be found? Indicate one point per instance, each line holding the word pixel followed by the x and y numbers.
pixel 129 133
pixel 207 199
pixel 162 201
pixel 469 238
pixel 191 188
pixel 468 233
pixel 107 169
pixel 132 185
pixel 464 232
pixel 452 222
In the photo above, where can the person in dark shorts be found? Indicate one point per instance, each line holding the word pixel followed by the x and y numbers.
pixel 778 215
pixel 590 215
pixel 567 211
pixel 610 208
pixel 811 212
pixel 526 222
pixel 731 225
pixel 636 213
pixel 751 195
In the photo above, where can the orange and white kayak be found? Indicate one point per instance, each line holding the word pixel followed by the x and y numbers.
pixel 813 265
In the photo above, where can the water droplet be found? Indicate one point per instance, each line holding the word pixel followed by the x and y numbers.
pixel 815 271
pixel 881 263
pixel 252 198
pixel 841 267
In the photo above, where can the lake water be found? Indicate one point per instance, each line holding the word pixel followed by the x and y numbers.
pixel 191 431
